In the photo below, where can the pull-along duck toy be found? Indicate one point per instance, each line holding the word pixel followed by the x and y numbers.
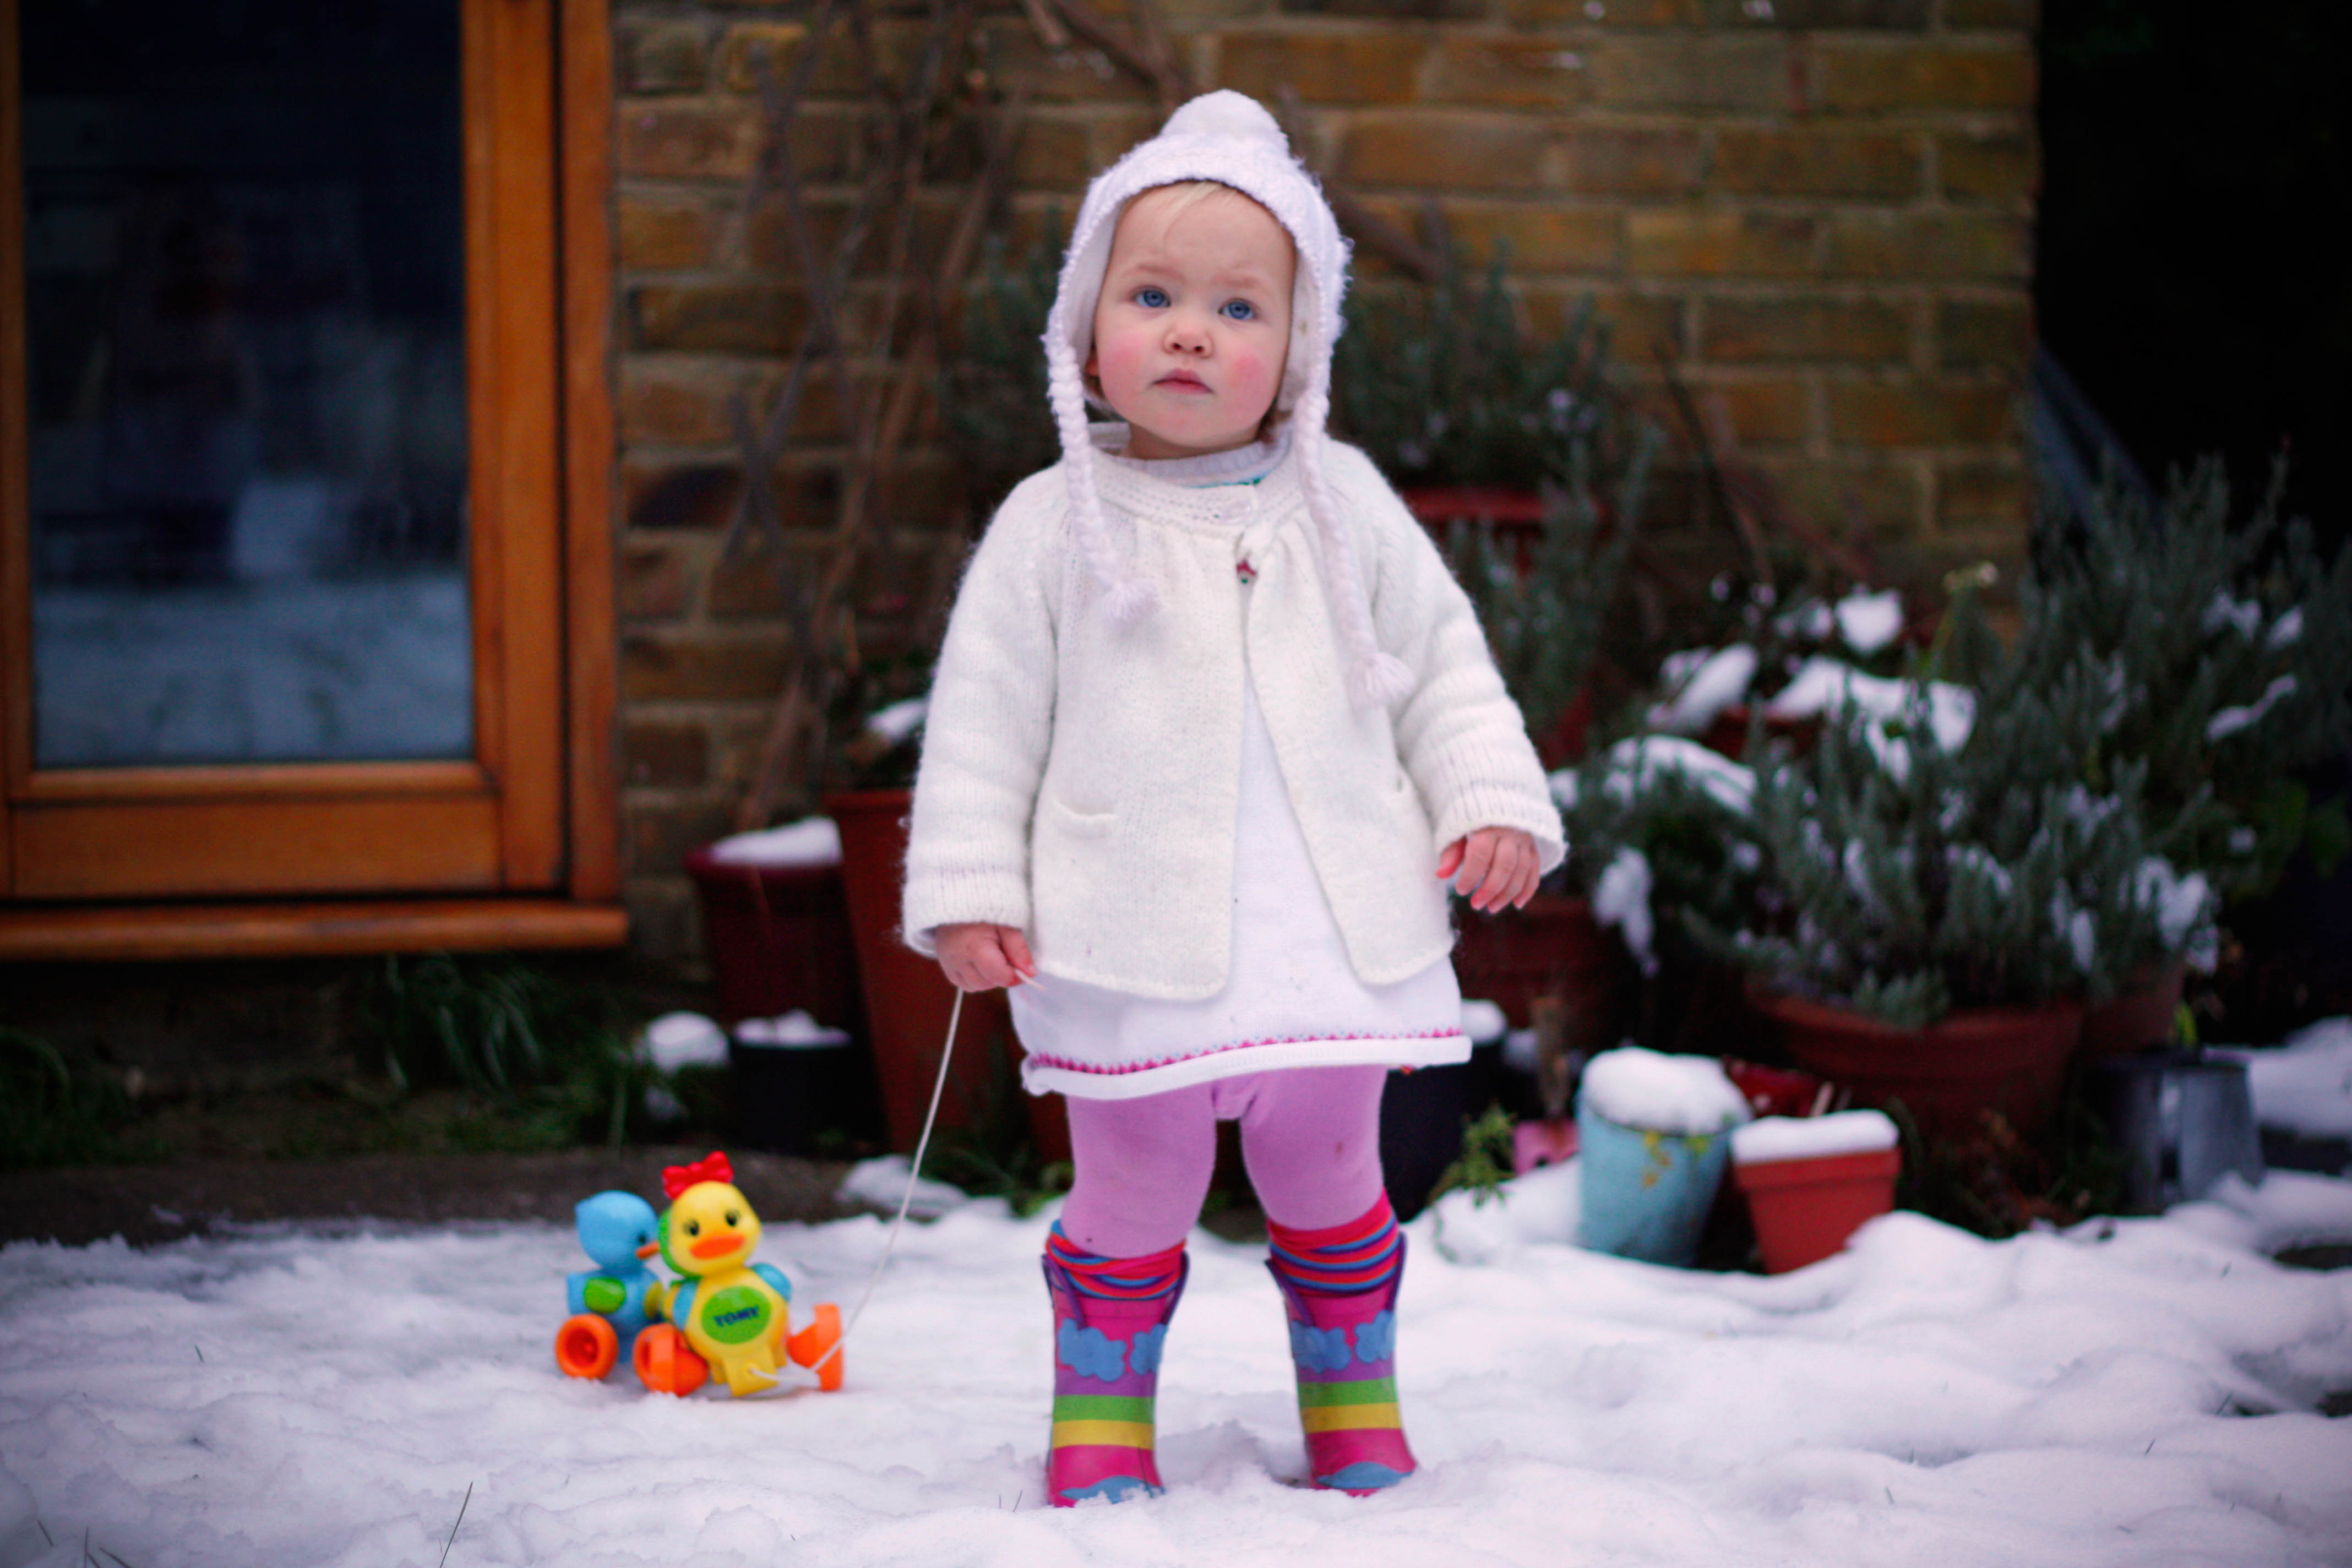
pixel 613 1302
pixel 728 1314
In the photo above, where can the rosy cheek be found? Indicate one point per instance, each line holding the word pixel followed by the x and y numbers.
pixel 1119 359
pixel 1257 372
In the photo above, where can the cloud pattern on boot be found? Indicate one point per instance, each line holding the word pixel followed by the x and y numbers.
pixel 1325 1350
pixel 1090 1353
pixel 1318 1349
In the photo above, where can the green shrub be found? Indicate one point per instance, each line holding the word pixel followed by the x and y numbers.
pixel 2225 646
pixel 56 1110
pixel 512 1032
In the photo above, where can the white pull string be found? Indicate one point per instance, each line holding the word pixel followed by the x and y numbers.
pixel 914 1175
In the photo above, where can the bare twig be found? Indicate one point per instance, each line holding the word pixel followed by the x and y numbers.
pixel 1368 228
pixel 1169 82
pixel 875 420
pixel 1744 494
pixel 1163 76
pixel 1047 26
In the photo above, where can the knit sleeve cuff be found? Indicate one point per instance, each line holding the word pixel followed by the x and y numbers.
pixel 952 898
pixel 1474 803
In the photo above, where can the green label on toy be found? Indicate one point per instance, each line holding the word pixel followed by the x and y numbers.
pixel 604 1294
pixel 735 1315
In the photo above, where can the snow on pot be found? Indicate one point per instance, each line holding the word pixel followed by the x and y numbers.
pixel 1811 1182
pixel 1649 1132
pixel 673 1042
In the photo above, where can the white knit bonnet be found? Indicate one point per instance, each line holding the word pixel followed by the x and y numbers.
pixel 1232 140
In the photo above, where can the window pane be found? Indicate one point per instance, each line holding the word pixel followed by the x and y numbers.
pixel 244 280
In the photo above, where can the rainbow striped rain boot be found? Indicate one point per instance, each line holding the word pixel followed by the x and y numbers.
pixel 1339 1290
pixel 1110 1318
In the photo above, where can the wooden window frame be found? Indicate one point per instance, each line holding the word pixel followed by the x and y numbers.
pixel 339 858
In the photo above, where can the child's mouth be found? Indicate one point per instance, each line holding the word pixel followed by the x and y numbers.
pixel 1183 381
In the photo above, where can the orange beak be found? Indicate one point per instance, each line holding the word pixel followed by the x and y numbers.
pixel 716 1246
pixel 649 1249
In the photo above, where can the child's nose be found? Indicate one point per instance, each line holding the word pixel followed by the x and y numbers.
pixel 1187 334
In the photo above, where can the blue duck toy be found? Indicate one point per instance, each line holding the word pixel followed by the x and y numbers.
pixel 612 1303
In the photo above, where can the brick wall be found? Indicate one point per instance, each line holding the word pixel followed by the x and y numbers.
pixel 1821 210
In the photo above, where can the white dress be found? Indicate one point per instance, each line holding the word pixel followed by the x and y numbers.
pixel 1291 999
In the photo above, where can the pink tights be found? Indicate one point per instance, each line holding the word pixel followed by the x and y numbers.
pixel 1311 1138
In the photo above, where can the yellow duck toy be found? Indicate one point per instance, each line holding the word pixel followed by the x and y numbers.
pixel 733 1315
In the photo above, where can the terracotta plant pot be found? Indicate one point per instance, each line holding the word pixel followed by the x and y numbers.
pixel 2144 1016
pixel 909 1001
pixel 1805 1209
pixel 2009 1059
pixel 1551 947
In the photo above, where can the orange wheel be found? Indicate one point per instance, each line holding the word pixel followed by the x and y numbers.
pixel 586 1346
pixel 809 1346
pixel 666 1363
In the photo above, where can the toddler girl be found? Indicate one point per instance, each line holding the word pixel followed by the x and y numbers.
pixel 1213 728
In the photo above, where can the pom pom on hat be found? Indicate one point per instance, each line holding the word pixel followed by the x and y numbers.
pixel 1226 113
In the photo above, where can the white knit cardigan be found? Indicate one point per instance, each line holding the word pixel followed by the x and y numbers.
pixel 1080 779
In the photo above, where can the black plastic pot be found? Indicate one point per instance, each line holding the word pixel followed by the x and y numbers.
pixel 1421 1117
pixel 804 1098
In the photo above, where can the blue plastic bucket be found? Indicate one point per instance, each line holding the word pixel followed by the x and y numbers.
pixel 1646 1193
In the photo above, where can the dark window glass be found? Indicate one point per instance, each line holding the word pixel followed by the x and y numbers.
pixel 245 280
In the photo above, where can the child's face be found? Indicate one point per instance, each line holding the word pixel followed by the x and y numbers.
pixel 1193 323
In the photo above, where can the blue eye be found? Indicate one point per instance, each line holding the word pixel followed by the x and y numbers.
pixel 1239 311
pixel 1151 299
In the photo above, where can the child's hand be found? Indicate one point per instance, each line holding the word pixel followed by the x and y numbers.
pixel 1497 866
pixel 976 956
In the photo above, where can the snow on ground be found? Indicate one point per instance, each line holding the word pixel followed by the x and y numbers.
pixel 2127 1393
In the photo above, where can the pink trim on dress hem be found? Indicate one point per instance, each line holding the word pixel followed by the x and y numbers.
pixel 1066 1065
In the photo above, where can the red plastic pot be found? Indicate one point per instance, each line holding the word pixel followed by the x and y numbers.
pixel 909 1001
pixel 2007 1059
pixel 778 939
pixel 1804 1210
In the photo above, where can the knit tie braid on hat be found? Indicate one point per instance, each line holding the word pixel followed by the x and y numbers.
pixel 1110 1318
pixel 1340 1291
pixel 1232 140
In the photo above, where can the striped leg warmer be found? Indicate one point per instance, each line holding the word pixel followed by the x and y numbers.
pixel 1110 1317
pixel 1339 1288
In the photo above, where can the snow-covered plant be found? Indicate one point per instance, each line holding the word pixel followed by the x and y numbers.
pixel 2227 648
pixel 2147 914
pixel 1656 825
pixel 1791 657
pixel 1906 889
